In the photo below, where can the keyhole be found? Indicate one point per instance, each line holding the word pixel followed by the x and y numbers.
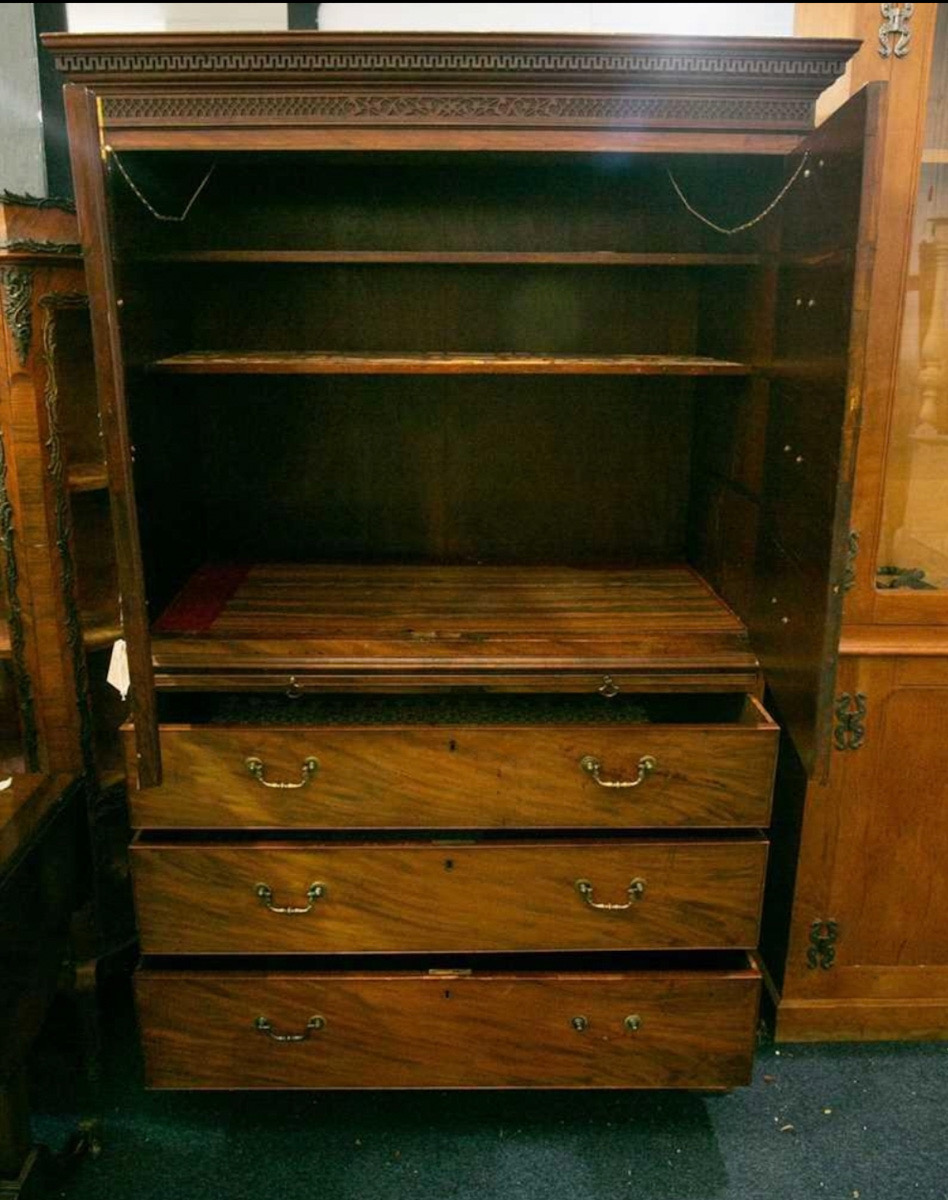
pixel 452 745
pixel 449 864
pixel 447 995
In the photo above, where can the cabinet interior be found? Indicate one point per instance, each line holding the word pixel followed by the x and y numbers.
pixel 515 361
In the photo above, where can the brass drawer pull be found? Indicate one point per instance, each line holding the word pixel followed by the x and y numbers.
pixel 636 890
pixel 262 1025
pixel 592 766
pixel 309 768
pixel 314 892
pixel 633 1022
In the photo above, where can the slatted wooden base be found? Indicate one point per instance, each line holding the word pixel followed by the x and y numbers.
pixel 488 626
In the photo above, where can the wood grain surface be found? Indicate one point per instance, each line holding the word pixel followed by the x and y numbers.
pixel 456 777
pixel 284 362
pixel 695 1030
pixel 202 898
pixel 380 620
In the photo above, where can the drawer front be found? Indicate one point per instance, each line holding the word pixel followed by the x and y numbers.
pixel 211 1030
pixel 462 777
pixel 211 899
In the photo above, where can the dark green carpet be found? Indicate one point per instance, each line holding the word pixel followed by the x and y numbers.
pixel 848 1122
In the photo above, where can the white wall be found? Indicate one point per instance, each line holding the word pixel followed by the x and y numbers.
pixel 748 19
pixel 22 167
pixel 739 19
pixel 144 18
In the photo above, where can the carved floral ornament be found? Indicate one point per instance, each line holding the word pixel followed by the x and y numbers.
pixel 396 107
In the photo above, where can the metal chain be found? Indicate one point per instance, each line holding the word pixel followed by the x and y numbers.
pixel 154 211
pixel 754 220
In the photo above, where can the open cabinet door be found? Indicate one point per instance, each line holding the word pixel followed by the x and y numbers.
pixel 816 384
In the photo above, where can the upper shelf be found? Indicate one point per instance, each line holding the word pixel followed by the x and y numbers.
pixel 565 258
pixel 326 362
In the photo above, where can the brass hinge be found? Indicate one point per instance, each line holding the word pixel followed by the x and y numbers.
pixel 895 19
pixel 822 950
pixel 450 972
pixel 850 730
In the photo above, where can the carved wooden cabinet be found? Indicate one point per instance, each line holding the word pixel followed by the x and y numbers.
pixel 867 955
pixel 481 415
pixel 64 891
pixel 58 553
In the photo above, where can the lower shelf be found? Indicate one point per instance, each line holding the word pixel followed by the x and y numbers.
pixel 630 1029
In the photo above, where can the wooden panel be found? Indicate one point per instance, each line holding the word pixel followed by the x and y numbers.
pixel 24 807
pixel 864 1020
pixel 874 840
pixel 450 468
pixel 92 205
pixel 694 1030
pixel 461 777
pixel 814 419
pixel 889 885
pixel 389 897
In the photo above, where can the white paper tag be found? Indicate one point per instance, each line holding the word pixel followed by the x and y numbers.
pixel 118 668
pixel 5 783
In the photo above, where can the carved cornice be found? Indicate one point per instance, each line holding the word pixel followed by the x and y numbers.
pixel 395 56
pixel 466 80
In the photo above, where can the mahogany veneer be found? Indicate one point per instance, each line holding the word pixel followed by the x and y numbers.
pixel 463 776
pixel 413 897
pixel 491 1029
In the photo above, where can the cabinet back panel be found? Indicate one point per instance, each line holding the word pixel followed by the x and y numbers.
pixel 550 469
pixel 541 309
pixel 504 201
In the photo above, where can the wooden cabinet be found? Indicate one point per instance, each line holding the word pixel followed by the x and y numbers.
pixel 58 555
pixel 481 416
pixel 866 955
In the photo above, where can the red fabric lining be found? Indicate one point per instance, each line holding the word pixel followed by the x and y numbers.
pixel 202 599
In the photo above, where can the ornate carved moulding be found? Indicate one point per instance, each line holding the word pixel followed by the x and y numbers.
pixel 755 84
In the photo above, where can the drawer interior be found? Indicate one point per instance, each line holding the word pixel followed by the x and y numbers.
pixel 212 708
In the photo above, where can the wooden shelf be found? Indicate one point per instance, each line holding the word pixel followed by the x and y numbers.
pixel 326 362
pixel 87 477
pixel 420 627
pixel 564 258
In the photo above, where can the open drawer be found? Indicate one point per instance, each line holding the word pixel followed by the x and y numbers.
pixel 650 1027
pixel 507 762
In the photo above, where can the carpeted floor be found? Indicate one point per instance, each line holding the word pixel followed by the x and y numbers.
pixel 849 1122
